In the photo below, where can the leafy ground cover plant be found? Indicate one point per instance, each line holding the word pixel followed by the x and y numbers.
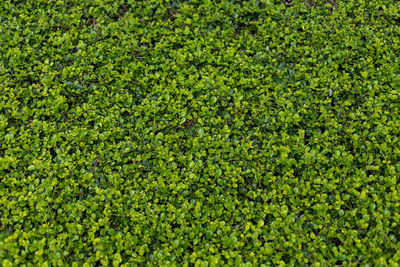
pixel 199 133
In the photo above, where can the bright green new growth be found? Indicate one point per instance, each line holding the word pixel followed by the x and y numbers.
pixel 199 133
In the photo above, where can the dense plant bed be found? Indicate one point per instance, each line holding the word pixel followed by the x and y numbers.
pixel 199 132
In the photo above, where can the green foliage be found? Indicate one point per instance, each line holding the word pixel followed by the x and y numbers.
pixel 199 133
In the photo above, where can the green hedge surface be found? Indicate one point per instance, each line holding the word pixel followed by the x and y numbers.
pixel 199 133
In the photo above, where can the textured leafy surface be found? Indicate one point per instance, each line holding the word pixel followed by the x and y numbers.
pixel 199 132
